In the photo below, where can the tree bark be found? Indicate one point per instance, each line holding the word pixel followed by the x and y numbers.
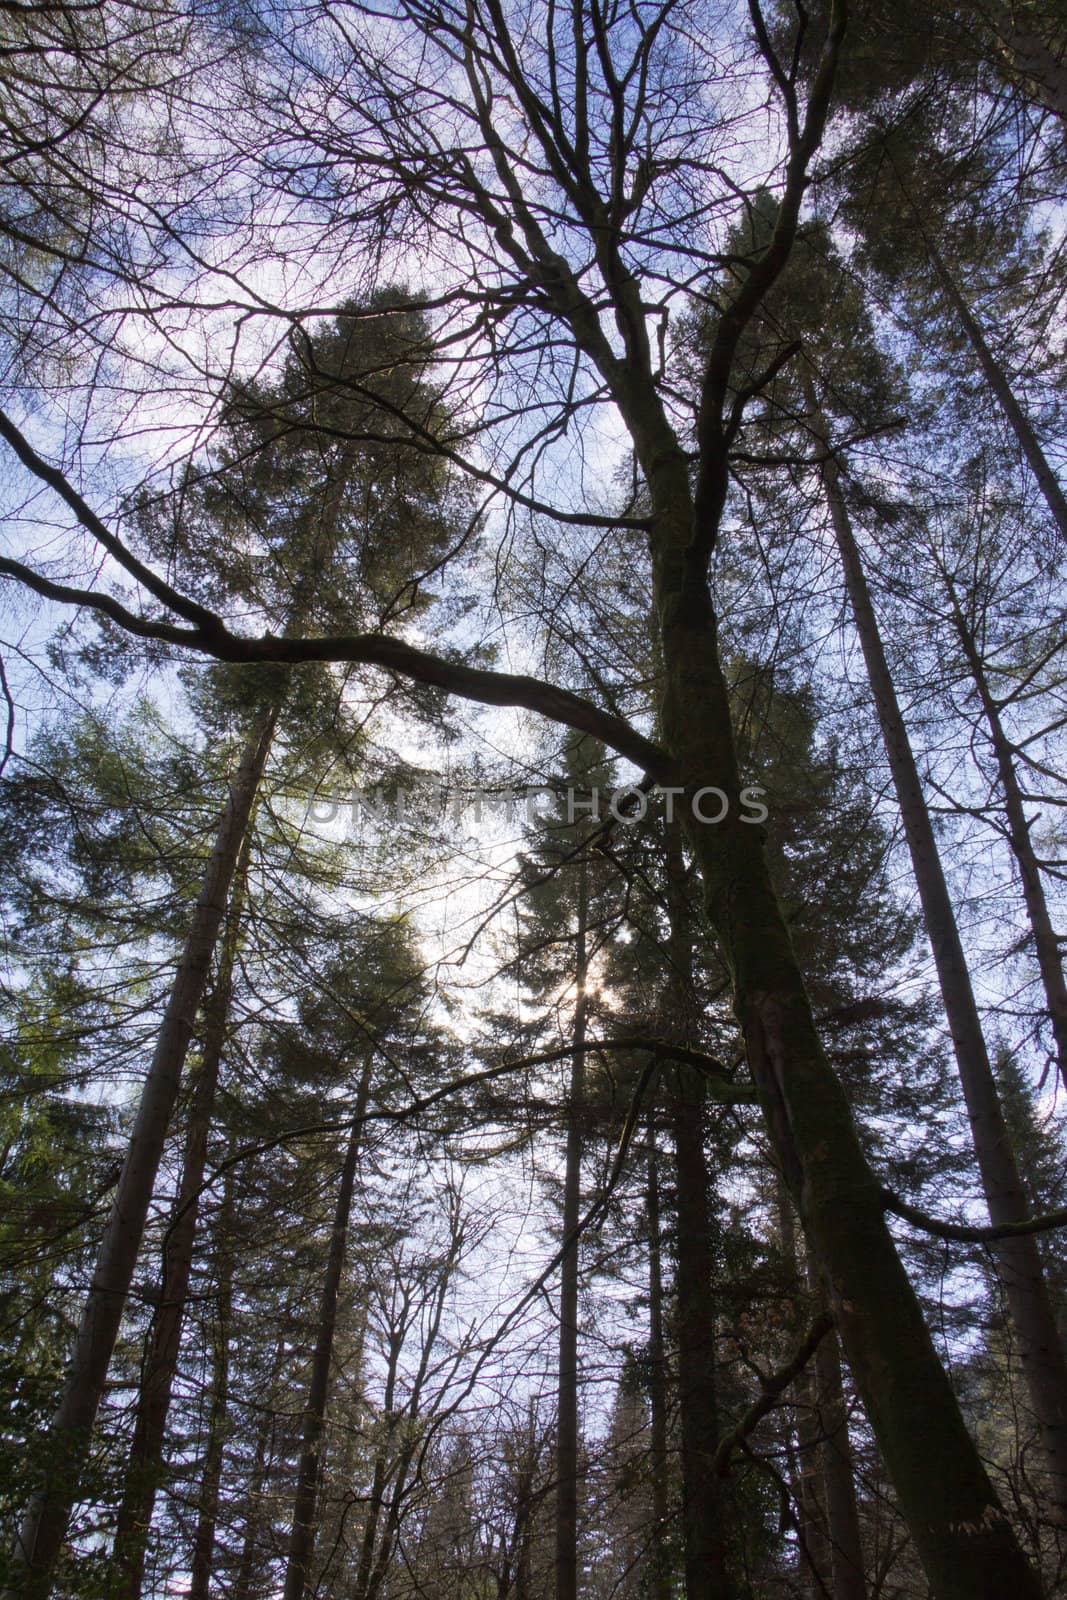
pixel 309 1472
pixel 1018 1260
pixel 43 1531
pixel 145 1466
pixel 1046 942
pixel 566 1527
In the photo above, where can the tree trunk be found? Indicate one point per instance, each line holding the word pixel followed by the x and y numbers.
pixel 706 1572
pixel 659 1585
pixel 144 1469
pixel 245 1586
pixel 838 1468
pixel 963 1536
pixel 803 1446
pixel 302 1537
pixel 839 1475
pixel 1018 1260
pixel 1030 61
pixel 44 1528
pixel 361 1589
pixel 567 1388
pixel 997 379
pixel 211 1476
pixel 1046 942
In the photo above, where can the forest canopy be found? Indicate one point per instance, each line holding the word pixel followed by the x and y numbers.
pixel 534 1029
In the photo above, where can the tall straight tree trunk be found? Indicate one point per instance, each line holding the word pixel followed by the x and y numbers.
pixel 802 1446
pixel 659 1585
pixel 43 1531
pixel 309 1472
pixel 203 1554
pixel 245 1582
pixel 361 1589
pixel 706 1571
pixel 522 1540
pixel 1018 1260
pixel 567 1385
pixel 838 1467
pixel 963 1537
pixel 839 1475
pixel 997 380
pixel 1046 942
pixel 144 1469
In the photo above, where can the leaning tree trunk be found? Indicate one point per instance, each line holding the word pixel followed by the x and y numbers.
pixel 41 1537
pixel 962 1534
pixel 144 1469
pixel 1047 944
pixel 1018 1260
pixel 706 1570
pixel 309 1471
pixel 566 1527
pixel 997 380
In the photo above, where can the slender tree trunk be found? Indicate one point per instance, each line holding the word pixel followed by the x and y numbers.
pixel 244 1587
pixel 376 1498
pixel 370 1528
pixel 839 1475
pixel 706 1571
pixel 1019 1260
pixel 203 1554
pixel 997 379
pixel 144 1469
pixel 809 1486
pixel 522 1538
pixel 963 1536
pixel 567 1389
pixel 305 1505
pixel 838 1468
pixel 44 1529
pixel 1046 942
pixel 659 1583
